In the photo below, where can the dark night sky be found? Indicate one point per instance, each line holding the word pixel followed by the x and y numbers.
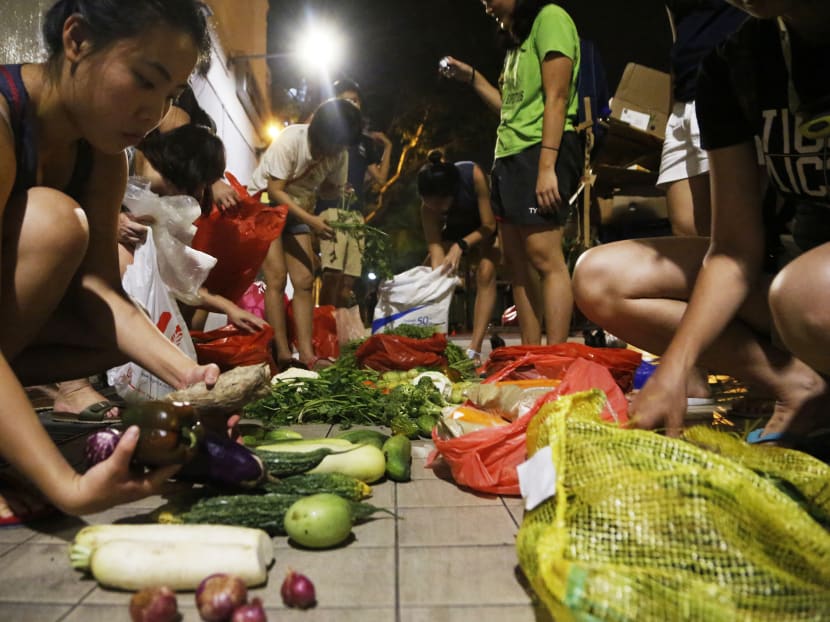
pixel 394 47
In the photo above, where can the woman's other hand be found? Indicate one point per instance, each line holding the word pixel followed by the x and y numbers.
pixel 662 401
pixel 455 69
pixel 224 196
pixel 245 320
pixel 547 191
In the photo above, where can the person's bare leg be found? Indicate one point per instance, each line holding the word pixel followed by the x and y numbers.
pixel 346 290
pixel 331 285
pixel 638 289
pixel 299 260
pixel 485 296
pixel 544 248
pixel 275 273
pixel 689 206
pixel 518 267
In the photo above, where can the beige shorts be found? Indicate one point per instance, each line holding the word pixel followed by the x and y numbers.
pixel 345 252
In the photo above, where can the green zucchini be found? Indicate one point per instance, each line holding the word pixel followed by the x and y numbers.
pixel 365 437
pixel 312 483
pixel 284 463
pixel 398 453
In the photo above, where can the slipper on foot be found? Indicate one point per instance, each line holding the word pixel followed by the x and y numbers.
pixel 94 414
pixel 815 443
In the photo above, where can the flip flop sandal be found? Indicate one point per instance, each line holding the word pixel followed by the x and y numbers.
pixel 816 443
pixel 95 414
pixel 12 520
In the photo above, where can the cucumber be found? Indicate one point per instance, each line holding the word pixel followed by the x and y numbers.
pixel 365 437
pixel 398 453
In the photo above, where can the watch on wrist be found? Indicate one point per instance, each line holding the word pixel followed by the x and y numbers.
pixel 462 244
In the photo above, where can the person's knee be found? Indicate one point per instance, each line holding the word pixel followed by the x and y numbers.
pixel 485 274
pixel 799 312
pixel 592 287
pixel 303 284
pixel 61 224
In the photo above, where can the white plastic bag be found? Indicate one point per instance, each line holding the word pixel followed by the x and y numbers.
pixel 143 282
pixel 182 268
pixel 419 296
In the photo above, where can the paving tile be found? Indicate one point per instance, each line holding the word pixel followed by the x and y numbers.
pixel 512 613
pixel 318 614
pixel 31 612
pixel 459 526
pixel 15 534
pixel 516 507
pixel 347 577
pixel 454 576
pixel 435 492
pixel 40 573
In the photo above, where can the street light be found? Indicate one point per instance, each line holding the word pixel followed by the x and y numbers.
pixel 320 47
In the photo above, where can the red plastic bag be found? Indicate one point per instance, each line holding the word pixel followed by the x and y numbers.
pixel 324 327
pixel 231 347
pixel 239 240
pixel 386 352
pixel 527 362
pixel 486 460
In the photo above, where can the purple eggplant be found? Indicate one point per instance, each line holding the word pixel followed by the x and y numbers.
pixel 100 445
pixel 221 460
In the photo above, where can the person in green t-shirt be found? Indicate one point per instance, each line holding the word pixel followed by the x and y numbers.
pixel 538 155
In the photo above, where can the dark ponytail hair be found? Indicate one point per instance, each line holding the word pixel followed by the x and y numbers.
pixel 112 20
pixel 188 156
pixel 438 178
pixel 524 14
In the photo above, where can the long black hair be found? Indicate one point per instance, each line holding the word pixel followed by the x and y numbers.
pixel 109 21
pixel 524 14
pixel 438 178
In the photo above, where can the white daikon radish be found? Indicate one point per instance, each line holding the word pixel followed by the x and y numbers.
pixel 93 536
pixel 132 565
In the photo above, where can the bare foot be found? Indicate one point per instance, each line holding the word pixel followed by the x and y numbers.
pixel 697 384
pixel 73 396
pixel 802 404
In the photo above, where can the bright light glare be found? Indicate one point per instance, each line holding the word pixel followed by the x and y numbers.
pixel 320 47
pixel 273 130
pixel 371 276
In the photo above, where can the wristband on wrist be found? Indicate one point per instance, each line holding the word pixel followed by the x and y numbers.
pixel 473 76
pixel 551 148
pixel 462 244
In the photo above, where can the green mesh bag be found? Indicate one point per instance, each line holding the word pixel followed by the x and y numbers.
pixel 645 527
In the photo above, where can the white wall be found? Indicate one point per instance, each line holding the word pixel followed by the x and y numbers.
pixel 216 93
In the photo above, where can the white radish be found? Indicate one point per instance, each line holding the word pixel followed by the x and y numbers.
pixel 94 536
pixel 132 565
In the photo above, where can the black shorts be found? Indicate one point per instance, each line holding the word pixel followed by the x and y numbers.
pixel 513 183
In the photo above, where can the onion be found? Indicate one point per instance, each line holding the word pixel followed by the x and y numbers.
pixel 297 591
pixel 218 595
pixel 154 604
pixel 252 612
pixel 100 445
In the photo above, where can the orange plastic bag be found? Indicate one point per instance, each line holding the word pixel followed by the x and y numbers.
pixel 324 327
pixel 486 460
pixel 239 239
pixel 231 347
pixel 528 362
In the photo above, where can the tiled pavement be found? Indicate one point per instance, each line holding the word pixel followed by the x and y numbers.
pixel 449 556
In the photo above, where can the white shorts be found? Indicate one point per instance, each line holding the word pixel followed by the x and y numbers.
pixel 682 156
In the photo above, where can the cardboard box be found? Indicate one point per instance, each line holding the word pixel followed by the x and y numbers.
pixel 643 99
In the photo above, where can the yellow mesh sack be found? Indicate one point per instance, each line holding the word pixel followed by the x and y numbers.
pixel 644 527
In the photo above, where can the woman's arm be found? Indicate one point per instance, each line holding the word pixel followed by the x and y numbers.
pixel 731 267
pixel 278 195
pixel 380 171
pixel 100 295
pixel 461 71
pixel 237 316
pixel 432 234
pixel 557 70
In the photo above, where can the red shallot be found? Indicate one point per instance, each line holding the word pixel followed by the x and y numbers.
pixel 219 595
pixel 154 604
pixel 252 612
pixel 297 591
